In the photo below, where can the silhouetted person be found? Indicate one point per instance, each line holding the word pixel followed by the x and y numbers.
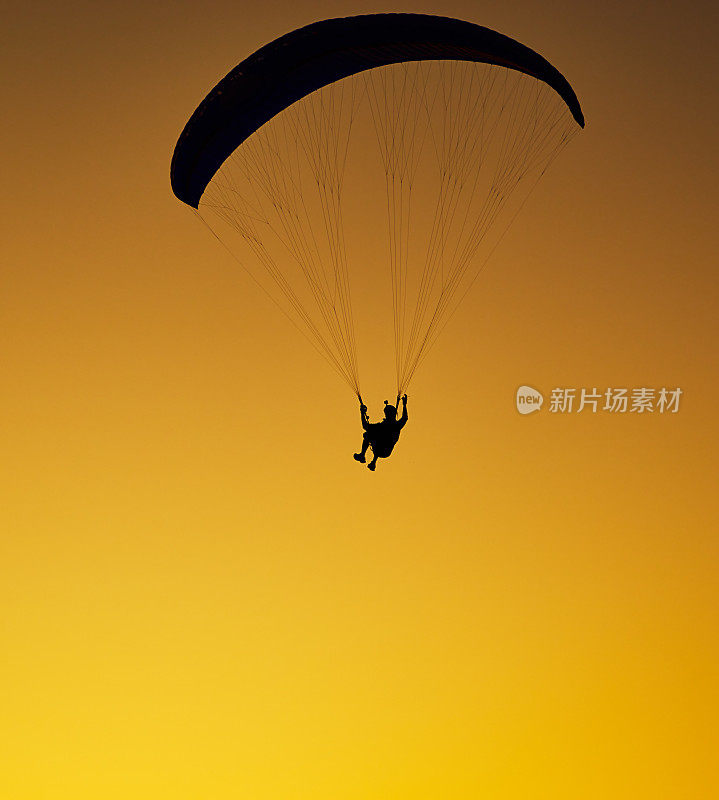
pixel 381 436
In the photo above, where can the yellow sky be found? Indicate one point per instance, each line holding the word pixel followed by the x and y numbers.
pixel 205 596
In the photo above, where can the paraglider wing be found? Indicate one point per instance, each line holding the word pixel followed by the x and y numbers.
pixel 297 64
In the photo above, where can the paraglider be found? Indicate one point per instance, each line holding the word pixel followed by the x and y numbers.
pixel 455 117
pixel 381 436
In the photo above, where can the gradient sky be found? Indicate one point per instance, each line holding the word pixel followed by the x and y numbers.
pixel 203 594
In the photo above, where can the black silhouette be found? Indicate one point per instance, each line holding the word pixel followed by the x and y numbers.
pixel 381 436
pixel 300 62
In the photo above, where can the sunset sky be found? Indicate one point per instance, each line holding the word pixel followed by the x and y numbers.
pixel 204 596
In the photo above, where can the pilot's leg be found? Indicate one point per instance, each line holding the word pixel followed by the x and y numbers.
pixel 373 463
pixel 365 444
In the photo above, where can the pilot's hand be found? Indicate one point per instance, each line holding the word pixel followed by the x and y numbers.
pixel 404 399
pixel 363 407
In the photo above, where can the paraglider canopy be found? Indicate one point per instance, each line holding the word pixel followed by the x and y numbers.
pixel 299 63
pixel 452 122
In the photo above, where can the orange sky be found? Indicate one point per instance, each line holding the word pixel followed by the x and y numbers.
pixel 205 596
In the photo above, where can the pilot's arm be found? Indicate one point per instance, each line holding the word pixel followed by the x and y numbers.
pixel 403 418
pixel 363 416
